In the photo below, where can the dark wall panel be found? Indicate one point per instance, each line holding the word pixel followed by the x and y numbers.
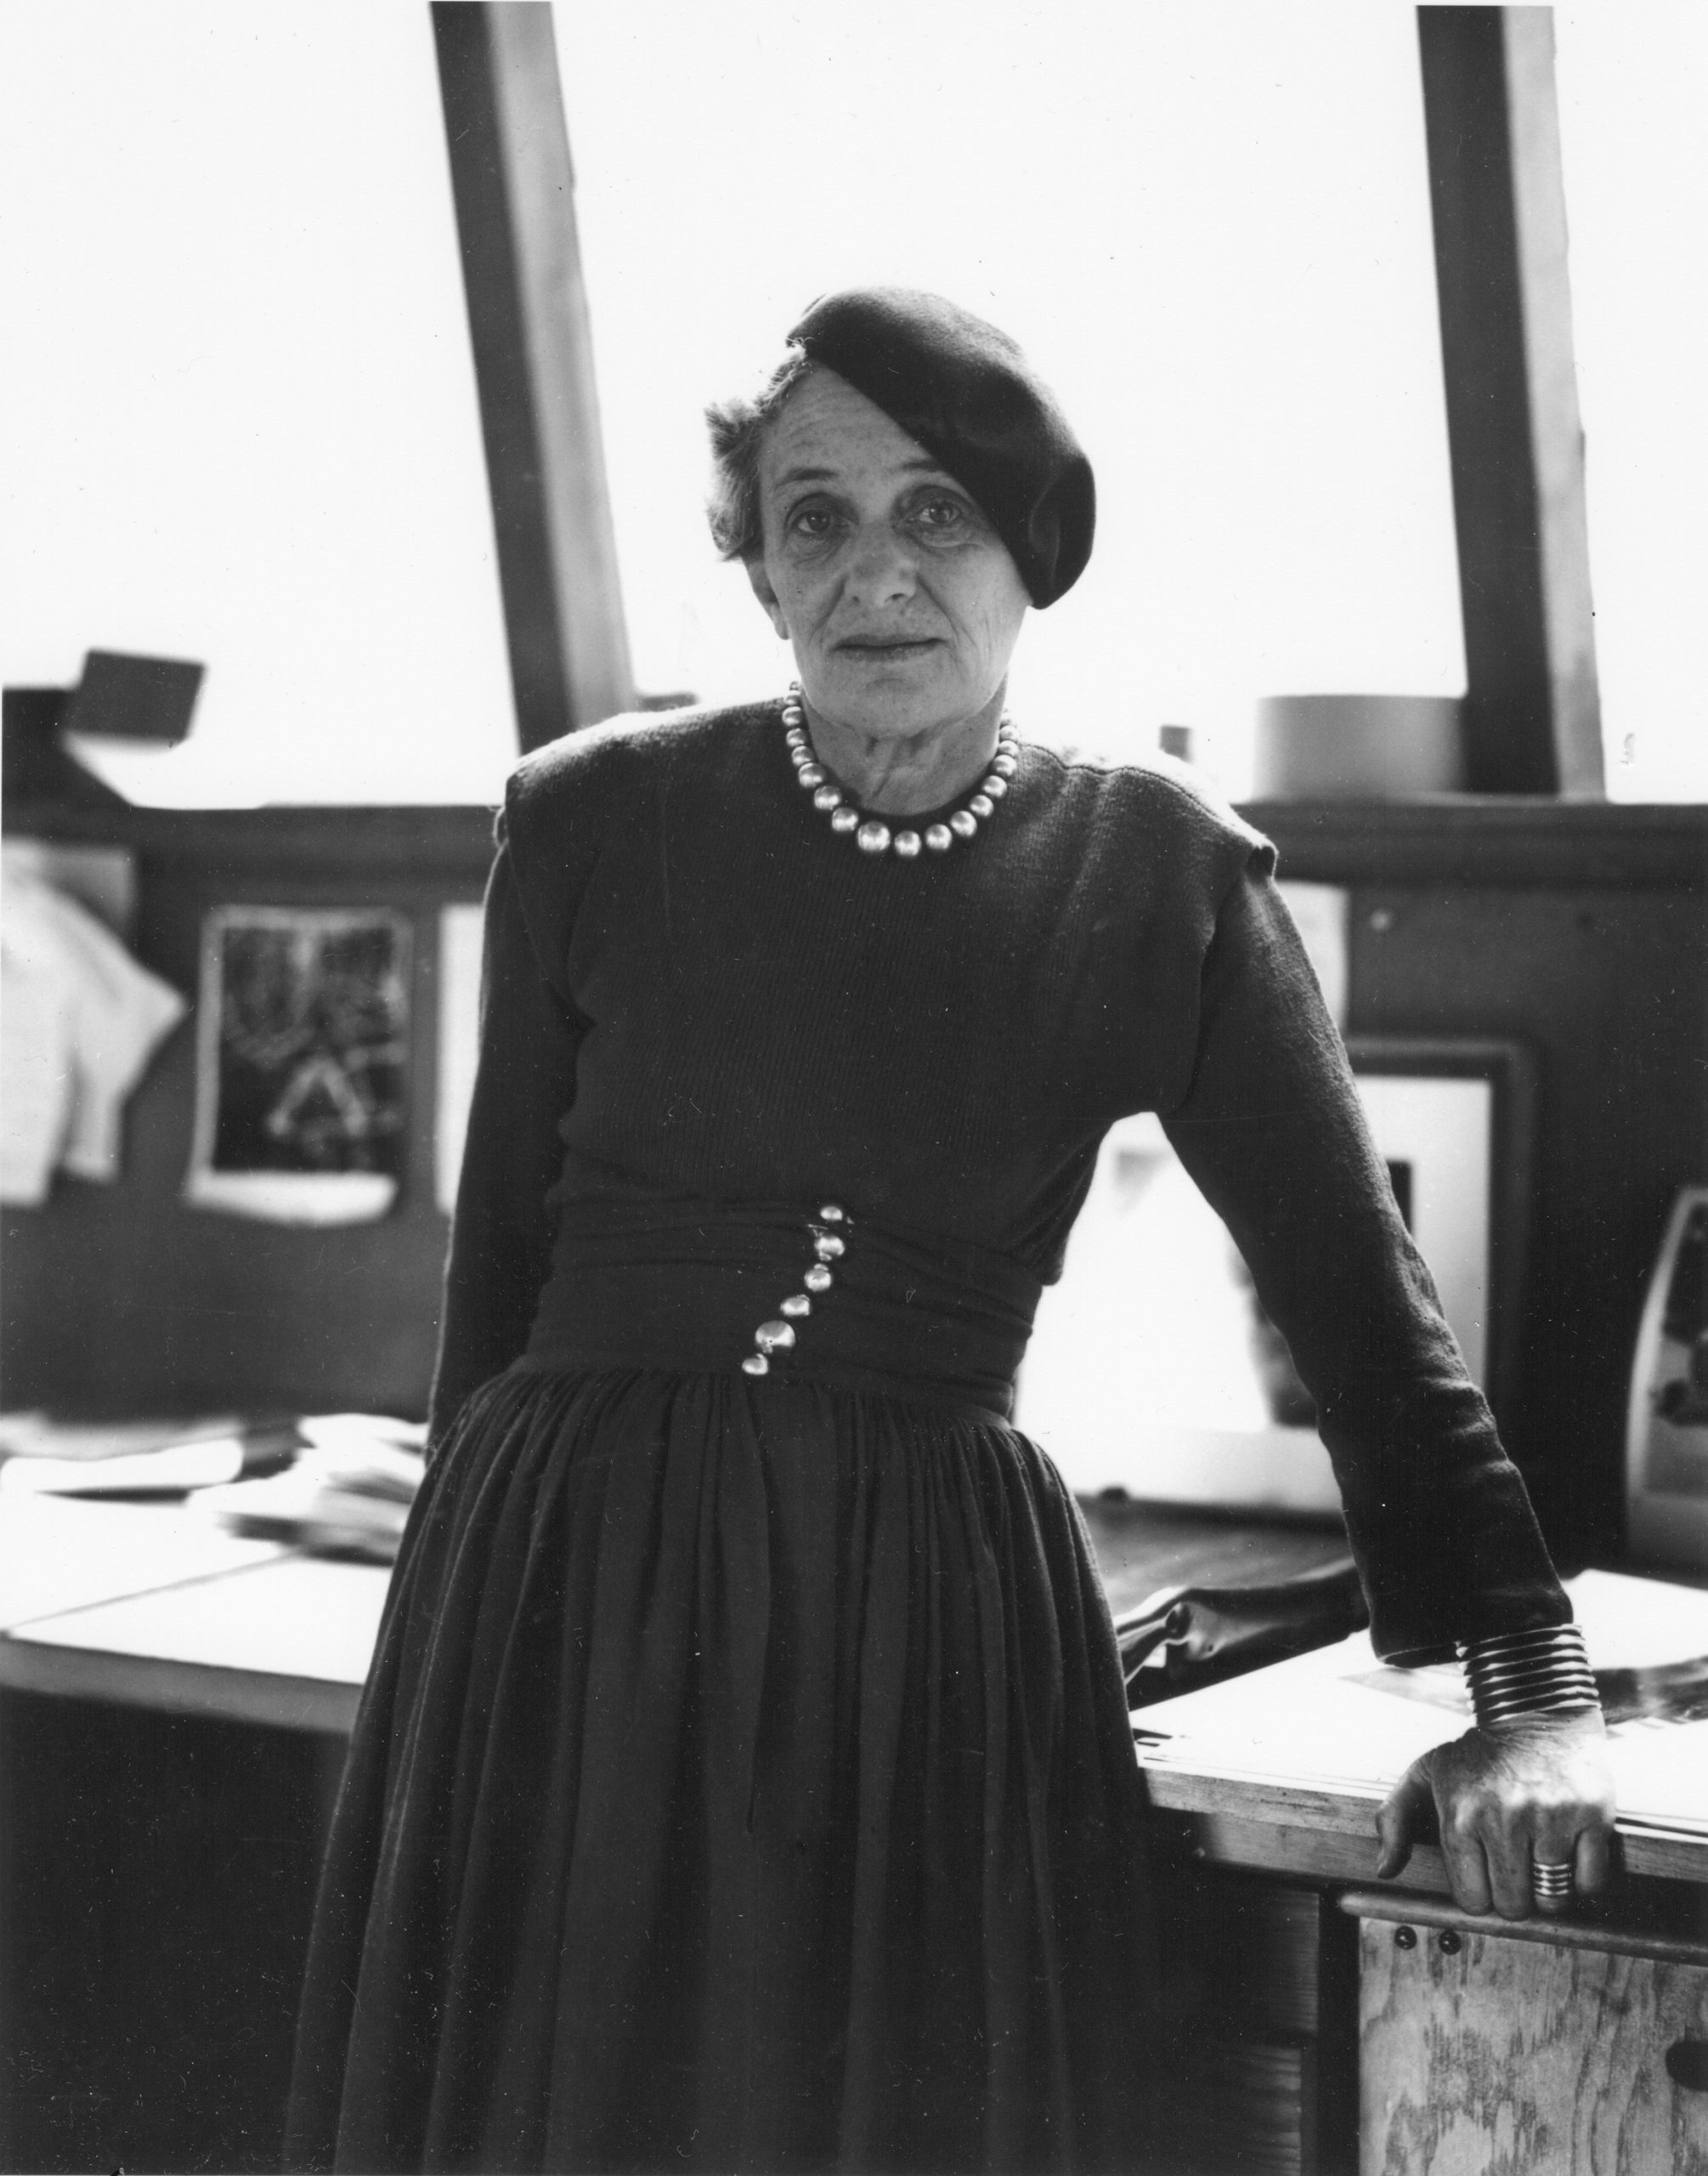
pixel 1582 931
pixel 122 1297
pixel 1609 990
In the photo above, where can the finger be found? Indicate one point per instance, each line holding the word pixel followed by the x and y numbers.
pixel 1468 1870
pixel 1591 1860
pixel 1399 1820
pixel 1510 1864
pixel 1555 1844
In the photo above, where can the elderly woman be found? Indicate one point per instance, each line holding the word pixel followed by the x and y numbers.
pixel 744 1780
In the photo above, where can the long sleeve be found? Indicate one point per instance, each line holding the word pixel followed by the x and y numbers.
pixel 501 1234
pixel 1273 1131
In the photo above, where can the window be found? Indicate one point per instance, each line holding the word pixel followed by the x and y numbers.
pixel 240 411
pixel 1208 226
pixel 238 350
pixel 1633 89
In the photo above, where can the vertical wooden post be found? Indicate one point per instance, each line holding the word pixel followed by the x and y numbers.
pixel 1532 715
pixel 1557 442
pixel 514 190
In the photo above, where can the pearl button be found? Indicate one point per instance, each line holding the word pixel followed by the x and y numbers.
pixel 827 798
pixel 828 1246
pixel 873 837
pixel 811 774
pixel 1004 765
pixel 980 804
pixel 844 818
pixel 939 838
pixel 963 824
pixel 797 1303
pixel 995 786
pixel 907 844
pixel 818 1278
pixel 774 1337
pixel 756 1365
pixel 833 1213
pixel 800 756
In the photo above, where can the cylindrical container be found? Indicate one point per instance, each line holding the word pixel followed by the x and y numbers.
pixel 1356 747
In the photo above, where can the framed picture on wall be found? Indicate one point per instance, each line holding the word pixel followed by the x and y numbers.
pixel 303 1053
pixel 1152 1366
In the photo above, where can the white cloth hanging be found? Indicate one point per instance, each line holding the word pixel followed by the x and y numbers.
pixel 82 1020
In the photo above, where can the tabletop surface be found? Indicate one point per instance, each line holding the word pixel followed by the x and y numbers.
pixel 155 1604
pixel 64 1553
pixel 1314 1743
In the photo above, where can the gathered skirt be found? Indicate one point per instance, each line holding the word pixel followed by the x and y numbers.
pixel 744 1782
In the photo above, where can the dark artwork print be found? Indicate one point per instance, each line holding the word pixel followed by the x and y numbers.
pixel 313 1041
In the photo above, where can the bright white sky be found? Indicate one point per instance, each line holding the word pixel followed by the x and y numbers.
pixel 1207 225
pixel 239 407
pixel 240 420
pixel 1633 95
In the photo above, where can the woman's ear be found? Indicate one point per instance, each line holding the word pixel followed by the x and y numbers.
pixel 767 596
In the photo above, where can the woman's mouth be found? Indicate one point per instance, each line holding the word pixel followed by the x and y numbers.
pixel 888 646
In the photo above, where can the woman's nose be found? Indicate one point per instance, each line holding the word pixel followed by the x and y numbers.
pixel 881 570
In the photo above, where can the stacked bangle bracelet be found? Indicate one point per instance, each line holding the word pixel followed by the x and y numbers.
pixel 1542 1673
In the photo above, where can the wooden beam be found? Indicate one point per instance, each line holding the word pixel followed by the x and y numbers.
pixel 1532 712
pixel 514 190
pixel 1557 445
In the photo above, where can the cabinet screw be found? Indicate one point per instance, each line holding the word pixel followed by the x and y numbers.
pixel 1449 1943
pixel 1404 1938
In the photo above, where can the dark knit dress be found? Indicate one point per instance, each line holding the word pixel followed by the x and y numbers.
pixel 744 1779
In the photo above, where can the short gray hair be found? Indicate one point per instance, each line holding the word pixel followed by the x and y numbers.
pixel 738 430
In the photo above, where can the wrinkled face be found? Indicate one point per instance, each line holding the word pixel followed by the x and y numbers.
pixel 900 599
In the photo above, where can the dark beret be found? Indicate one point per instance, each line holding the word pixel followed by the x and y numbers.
pixel 968 395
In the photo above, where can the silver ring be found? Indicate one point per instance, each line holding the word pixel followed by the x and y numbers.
pixel 1551 1880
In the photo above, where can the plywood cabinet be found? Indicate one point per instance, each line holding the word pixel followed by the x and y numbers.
pixel 1479 2052
pixel 1313 2023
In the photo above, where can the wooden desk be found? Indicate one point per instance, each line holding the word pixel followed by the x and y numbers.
pixel 1282 1770
pixel 158 1853
pixel 63 1553
pixel 1323 2022
pixel 154 1606
pixel 151 1614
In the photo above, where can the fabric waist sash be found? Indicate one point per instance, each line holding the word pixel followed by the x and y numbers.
pixel 690 1286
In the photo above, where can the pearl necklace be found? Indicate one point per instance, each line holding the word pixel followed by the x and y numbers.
pixel 871 835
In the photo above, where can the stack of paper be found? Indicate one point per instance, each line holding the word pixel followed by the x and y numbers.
pixel 348 1492
pixel 39 1456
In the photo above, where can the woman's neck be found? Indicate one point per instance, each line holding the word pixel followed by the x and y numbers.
pixel 906 774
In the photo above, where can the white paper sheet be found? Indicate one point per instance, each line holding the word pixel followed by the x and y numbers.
pixel 1337 1718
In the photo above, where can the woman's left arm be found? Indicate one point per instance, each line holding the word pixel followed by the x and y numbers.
pixel 1273 1131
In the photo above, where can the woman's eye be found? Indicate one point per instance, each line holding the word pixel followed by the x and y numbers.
pixel 941 516
pixel 813 523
